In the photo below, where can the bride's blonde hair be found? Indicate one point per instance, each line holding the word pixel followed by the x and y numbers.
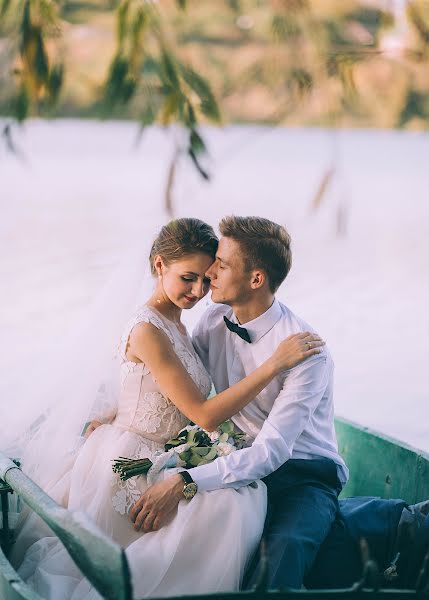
pixel 182 237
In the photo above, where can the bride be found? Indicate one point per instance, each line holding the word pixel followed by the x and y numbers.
pixel 205 546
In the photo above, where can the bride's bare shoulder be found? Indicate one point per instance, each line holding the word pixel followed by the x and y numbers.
pixel 147 340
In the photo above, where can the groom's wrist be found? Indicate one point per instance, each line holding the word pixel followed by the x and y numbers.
pixel 177 483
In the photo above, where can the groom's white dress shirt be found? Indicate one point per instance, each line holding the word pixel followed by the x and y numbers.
pixel 293 417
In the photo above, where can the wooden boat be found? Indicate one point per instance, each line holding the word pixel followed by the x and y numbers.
pixel 379 466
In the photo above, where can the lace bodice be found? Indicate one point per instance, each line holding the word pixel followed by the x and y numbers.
pixel 142 406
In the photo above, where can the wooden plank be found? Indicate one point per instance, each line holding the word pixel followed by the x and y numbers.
pixel 11 585
pixel 101 560
pixel 382 466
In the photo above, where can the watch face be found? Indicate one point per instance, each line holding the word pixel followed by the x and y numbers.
pixel 190 490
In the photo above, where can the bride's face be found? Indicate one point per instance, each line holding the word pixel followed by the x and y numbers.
pixel 184 281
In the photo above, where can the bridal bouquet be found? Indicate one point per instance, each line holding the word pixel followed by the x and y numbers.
pixel 192 447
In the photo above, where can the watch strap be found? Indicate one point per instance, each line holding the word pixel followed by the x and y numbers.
pixel 186 477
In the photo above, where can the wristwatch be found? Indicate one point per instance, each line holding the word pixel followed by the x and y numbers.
pixel 190 488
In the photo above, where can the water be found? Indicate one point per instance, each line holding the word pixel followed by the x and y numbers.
pixel 85 190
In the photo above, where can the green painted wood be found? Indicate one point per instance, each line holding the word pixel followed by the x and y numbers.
pixel 11 585
pixel 379 466
pixel 101 560
pixel 382 466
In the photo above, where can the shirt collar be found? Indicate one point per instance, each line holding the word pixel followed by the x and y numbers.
pixel 262 324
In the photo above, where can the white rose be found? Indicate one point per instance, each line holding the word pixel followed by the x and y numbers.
pixel 224 448
pixel 213 435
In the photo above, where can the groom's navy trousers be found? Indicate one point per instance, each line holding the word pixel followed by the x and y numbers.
pixel 302 505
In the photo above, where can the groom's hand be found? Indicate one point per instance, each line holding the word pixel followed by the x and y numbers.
pixel 157 505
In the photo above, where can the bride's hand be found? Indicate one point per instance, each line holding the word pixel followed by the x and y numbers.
pixel 296 348
pixel 91 427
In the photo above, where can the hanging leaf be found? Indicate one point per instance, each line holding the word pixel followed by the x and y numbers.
pixel 4 7
pixel 284 27
pixel 302 80
pixel 196 142
pixel 418 22
pixel 208 104
pixel 137 31
pixel 169 68
pixel 41 65
pixel 416 106
pixel 47 12
pixel 114 88
pixel 322 189
pixel 21 105
pixel 55 82
pixel 189 118
pixel 121 21
pixel 197 147
pixel 169 109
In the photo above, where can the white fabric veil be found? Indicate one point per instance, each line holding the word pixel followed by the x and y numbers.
pixel 86 377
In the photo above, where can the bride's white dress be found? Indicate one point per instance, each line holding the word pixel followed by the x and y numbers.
pixel 206 546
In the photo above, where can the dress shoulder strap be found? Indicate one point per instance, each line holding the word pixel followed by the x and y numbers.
pixel 144 314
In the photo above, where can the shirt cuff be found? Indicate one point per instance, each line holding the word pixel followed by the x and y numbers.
pixel 206 477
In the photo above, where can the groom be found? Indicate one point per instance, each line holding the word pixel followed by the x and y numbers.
pixel 290 423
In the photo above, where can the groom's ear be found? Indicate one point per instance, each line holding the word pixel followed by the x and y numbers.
pixel 258 279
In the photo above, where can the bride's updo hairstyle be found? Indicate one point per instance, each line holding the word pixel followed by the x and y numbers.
pixel 182 237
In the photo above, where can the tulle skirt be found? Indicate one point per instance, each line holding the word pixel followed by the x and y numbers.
pixel 204 549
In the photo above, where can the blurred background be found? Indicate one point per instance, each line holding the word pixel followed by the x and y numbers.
pixel 116 116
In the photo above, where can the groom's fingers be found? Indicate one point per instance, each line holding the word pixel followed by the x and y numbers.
pixel 135 510
pixel 140 519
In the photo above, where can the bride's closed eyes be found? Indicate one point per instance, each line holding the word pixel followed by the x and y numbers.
pixel 206 280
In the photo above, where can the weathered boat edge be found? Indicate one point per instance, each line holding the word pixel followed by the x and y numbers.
pixel 11 585
pixel 381 478
pixel 381 465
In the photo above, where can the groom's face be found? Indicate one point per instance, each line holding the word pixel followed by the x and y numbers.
pixel 230 280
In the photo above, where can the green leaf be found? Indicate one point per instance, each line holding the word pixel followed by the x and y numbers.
pixel 121 21
pixel 191 436
pixel 209 105
pixel 189 117
pixel 4 7
pixel 227 427
pixel 195 460
pixel 55 81
pixel 211 455
pixel 284 28
pixel 169 69
pixel 21 105
pixel 196 142
pixel 186 455
pixel 200 450
pixel 197 165
pixel 223 438
pixel 41 65
pixel 148 117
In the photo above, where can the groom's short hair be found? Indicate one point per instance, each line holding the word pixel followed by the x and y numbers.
pixel 264 244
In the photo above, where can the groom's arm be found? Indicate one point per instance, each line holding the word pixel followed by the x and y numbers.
pixel 301 393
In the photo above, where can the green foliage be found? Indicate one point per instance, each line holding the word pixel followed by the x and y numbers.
pixel 21 104
pixel 284 28
pixel 416 106
pixel 208 104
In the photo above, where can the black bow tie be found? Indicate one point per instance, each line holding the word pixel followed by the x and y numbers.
pixel 240 331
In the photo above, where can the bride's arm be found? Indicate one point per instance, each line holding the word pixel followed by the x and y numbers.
pixel 152 347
